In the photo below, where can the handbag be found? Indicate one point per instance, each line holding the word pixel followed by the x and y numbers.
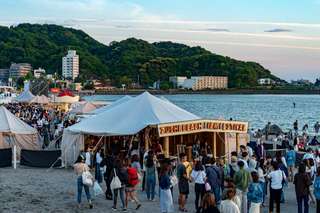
pixel 173 180
pixel 87 178
pixel 207 187
pixel 97 189
pixel 115 183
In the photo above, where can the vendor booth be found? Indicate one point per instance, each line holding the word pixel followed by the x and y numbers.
pixel 151 119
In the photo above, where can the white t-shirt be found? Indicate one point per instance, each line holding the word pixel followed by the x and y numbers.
pixel 229 206
pixel 88 159
pixel 261 175
pixel 98 158
pixel 198 176
pixel 276 179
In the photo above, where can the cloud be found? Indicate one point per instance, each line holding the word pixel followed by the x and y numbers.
pixel 217 30
pixel 278 30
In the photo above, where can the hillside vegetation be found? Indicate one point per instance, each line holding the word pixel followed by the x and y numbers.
pixel 122 62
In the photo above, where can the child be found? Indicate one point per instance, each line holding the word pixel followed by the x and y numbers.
pixel 255 193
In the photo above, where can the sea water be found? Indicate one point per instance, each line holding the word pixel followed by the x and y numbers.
pixel 256 109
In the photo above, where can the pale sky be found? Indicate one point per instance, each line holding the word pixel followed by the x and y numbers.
pixel 282 35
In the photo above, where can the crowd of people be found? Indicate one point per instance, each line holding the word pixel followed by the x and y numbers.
pixel 49 122
pixel 239 183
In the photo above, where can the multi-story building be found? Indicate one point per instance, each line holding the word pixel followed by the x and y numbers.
pixel 206 82
pixel 4 75
pixel 70 65
pixel 37 73
pixel 177 81
pixel 266 81
pixel 19 70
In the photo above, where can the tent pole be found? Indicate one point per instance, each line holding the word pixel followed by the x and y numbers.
pixel 15 156
pixel 166 146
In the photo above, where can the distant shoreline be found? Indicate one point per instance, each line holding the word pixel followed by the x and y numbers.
pixel 208 92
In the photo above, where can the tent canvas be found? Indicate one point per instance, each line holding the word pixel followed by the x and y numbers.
pixel 14 131
pixel 25 96
pixel 114 104
pixel 40 99
pixel 132 116
pixel 127 118
pixel 83 108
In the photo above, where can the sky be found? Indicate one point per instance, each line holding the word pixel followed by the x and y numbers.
pixel 282 35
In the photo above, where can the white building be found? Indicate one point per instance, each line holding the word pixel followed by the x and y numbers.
pixel 266 81
pixel 206 82
pixel 70 65
pixel 37 73
pixel 177 81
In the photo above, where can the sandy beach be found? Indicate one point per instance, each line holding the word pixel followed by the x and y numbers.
pixel 31 190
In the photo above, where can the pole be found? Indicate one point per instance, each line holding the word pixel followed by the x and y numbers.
pixel 15 157
pixel 166 146
pixel 214 145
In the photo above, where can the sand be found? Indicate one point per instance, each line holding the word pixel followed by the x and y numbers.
pixel 32 190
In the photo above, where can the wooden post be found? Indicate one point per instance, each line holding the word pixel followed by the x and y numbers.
pixel 214 145
pixel 237 142
pixel 166 146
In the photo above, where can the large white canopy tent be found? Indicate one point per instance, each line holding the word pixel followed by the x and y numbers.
pixel 127 118
pixel 25 97
pixel 14 131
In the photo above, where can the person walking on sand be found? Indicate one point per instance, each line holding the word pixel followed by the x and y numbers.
pixel 150 176
pixel 133 181
pixel 276 177
pixel 291 160
pixel 166 201
pixel 183 182
pixel 198 175
pixel 79 168
pixel 208 204
pixel 316 191
pixel 302 182
pixel 241 180
pixel 255 193
pixel 122 174
pixel 316 128
pixel 228 206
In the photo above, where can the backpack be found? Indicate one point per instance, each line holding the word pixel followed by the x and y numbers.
pixel 133 178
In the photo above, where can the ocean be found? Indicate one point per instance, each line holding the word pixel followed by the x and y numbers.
pixel 256 109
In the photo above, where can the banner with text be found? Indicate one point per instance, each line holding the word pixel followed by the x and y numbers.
pixel 188 127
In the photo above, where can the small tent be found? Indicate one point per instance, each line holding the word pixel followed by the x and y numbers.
pixel 40 99
pixel 274 130
pixel 25 97
pixel 14 131
pixel 83 108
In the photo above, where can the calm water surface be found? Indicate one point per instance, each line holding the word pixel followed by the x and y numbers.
pixel 257 109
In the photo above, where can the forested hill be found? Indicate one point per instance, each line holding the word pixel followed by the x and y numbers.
pixel 122 62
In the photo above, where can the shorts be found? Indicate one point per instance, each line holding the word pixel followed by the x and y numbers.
pixel 130 189
pixel 183 186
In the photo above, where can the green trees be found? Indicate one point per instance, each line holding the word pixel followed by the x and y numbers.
pixel 129 61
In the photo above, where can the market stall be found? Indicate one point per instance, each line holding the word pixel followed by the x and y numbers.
pixel 150 119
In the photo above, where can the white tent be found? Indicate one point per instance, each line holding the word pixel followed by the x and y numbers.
pixel 127 118
pixel 25 97
pixel 114 104
pixel 14 131
pixel 132 116
pixel 83 108
pixel 40 99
